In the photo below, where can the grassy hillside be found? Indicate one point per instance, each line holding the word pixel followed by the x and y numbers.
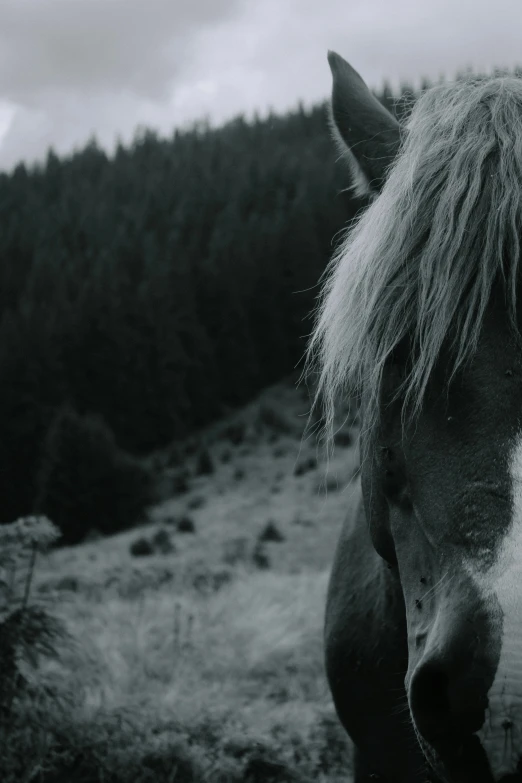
pixel 201 658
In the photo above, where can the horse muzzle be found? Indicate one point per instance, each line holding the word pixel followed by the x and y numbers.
pixel 451 685
pixel 448 702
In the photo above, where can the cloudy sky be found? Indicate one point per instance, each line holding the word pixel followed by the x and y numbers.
pixel 73 68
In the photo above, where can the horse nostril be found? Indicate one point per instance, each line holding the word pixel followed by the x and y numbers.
pixel 429 700
pixel 445 705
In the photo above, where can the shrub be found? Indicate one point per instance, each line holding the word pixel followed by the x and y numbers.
pixel 260 557
pixel 204 465
pixel 186 525
pixel 141 547
pixel 209 580
pixel 328 483
pixel 305 465
pixel 85 481
pixel 162 543
pixel 28 632
pixel 271 533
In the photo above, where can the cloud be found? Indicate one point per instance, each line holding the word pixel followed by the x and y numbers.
pixel 70 68
pixel 98 46
pixel 274 52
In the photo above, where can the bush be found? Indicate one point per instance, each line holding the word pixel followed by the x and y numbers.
pixel 328 483
pixel 209 580
pixel 186 525
pixel 271 533
pixel 204 465
pixel 305 465
pixel 85 481
pixel 141 547
pixel 28 631
pixel 260 557
pixel 162 543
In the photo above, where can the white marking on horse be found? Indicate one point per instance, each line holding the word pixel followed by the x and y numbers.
pixel 501 733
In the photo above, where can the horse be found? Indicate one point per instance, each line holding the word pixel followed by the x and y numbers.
pixel 418 318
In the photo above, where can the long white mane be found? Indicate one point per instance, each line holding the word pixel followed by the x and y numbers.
pixel 422 259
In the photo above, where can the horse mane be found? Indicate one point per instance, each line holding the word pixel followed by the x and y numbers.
pixel 421 261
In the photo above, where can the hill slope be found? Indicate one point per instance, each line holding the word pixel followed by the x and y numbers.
pixel 205 655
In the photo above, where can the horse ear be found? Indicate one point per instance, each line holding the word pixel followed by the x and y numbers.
pixel 366 133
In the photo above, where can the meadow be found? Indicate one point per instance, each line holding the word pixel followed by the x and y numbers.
pixel 194 642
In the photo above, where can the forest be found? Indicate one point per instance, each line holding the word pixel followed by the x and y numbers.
pixel 144 294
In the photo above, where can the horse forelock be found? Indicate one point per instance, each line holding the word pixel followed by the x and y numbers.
pixel 421 261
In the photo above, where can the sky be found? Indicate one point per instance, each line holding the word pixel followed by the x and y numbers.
pixel 71 69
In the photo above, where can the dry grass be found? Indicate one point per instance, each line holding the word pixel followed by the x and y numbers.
pixel 193 665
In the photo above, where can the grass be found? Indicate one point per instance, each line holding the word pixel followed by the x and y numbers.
pixel 195 666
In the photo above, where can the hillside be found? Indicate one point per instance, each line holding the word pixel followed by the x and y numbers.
pixel 202 660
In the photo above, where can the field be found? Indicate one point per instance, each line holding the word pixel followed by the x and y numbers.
pixel 199 657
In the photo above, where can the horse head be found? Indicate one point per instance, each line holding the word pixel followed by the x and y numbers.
pixel 420 315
